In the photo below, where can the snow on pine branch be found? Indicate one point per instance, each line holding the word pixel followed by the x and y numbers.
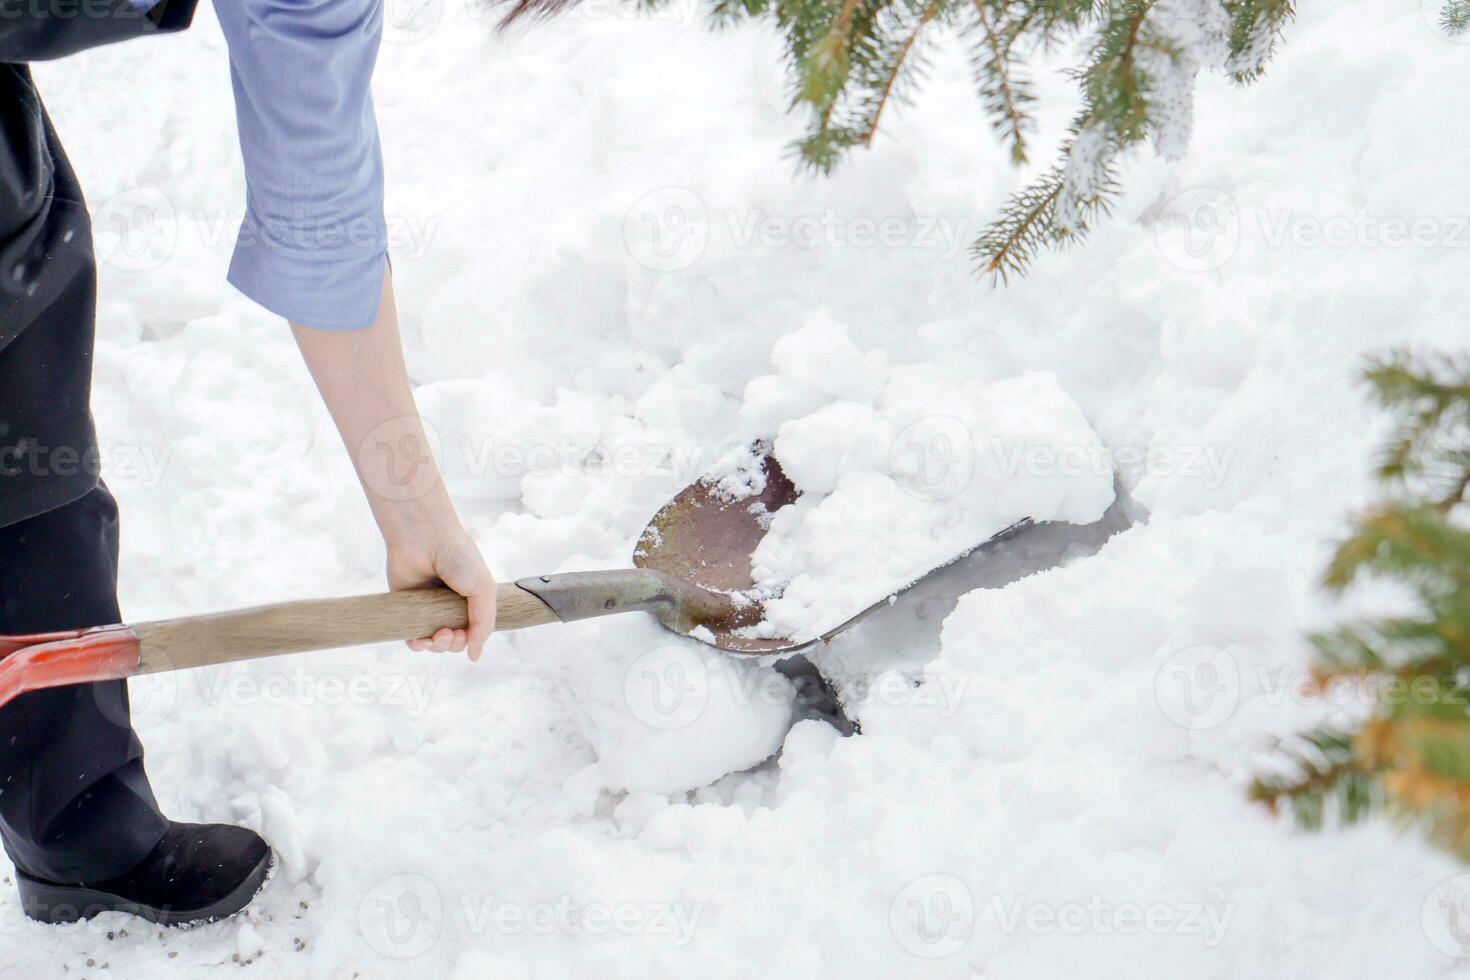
pixel 850 60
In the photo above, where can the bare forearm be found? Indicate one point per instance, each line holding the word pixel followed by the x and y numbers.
pixel 363 380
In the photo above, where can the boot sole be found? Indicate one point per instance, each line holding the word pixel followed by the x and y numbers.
pixel 57 904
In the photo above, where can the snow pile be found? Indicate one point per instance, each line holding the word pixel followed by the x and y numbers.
pixel 664 715
pixel 903 469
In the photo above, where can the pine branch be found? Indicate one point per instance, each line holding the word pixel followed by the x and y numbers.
pixel 882 65
pixel 892 75
pixel 1003 95
pixel 850 60
pixel 1028 222
pixel 1412 753
pixel 1024 226
pixel 1323 778
pixel 1432 442
pixel 1454 17
pixel 1256 28
pixel 1409 540
pixel 1114 88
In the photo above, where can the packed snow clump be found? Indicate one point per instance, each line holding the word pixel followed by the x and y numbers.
pixel 903 469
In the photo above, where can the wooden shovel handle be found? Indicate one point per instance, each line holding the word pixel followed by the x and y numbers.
pixel 322 624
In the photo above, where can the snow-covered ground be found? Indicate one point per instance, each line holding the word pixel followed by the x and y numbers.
pixel 598 246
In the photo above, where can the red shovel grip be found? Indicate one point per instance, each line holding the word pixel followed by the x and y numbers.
pixel 31 663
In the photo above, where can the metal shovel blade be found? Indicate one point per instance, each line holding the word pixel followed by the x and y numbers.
pixel 705 537
pixel 693 568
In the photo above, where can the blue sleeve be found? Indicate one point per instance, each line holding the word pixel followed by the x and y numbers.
pixel 313 244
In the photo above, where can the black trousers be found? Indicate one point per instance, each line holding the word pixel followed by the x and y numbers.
pixel 75 804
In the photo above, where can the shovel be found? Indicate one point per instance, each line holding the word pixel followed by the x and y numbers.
pixel 692 570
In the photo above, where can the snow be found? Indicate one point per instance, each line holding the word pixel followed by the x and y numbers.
pixel 941 464
pixel 609 279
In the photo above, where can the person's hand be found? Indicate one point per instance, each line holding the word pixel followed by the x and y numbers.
pixel 449 557
pixel 364 382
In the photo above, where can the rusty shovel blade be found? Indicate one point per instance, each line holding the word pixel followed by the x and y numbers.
pixel 693 568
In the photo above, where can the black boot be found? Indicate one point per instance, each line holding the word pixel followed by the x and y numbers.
pixel 198 872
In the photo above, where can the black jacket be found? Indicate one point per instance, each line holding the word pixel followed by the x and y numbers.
pixel 48 453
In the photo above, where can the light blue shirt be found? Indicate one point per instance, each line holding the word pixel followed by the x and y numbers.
pixel 313 244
